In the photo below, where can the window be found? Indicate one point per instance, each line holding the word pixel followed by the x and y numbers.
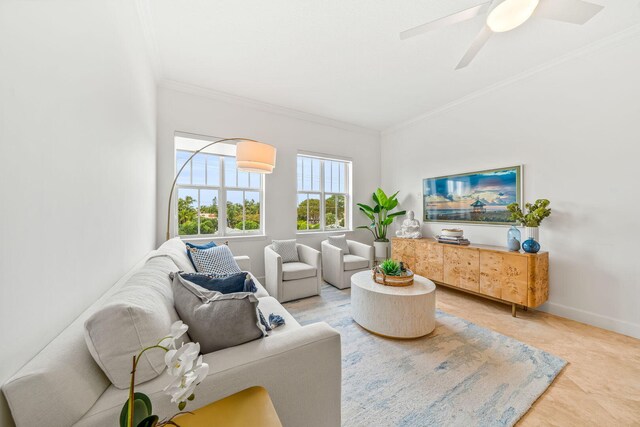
pixel 212 191
pixel 323 193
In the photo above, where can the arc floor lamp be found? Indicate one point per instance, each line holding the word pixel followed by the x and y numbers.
pixel 251 156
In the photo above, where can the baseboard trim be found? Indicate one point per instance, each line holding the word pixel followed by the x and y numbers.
pixel 605 322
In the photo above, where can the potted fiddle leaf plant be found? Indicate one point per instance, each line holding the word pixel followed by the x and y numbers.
pixel 381 217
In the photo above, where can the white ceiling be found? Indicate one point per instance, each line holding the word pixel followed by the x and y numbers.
pixel 343 59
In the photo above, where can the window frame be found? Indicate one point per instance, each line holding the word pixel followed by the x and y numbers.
pixel 322 194
pixel 221 189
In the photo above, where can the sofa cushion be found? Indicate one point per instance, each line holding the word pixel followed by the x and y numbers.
pixel 217 260
pixel 217 321
pixel 191 245
pixel 287 249
pixel 339 242
pixel 239 282
pixel 354 262
pixel 177 251
pixel 297 270
pixel 137 315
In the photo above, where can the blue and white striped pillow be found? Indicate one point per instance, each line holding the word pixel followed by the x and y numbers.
pixel 217 260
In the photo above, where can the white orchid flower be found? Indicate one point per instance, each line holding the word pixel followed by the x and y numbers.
pixel 201 369
pixel 178 329
pixel 184 386
pixel 181 361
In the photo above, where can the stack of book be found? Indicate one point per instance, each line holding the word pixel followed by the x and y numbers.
pixel 452 237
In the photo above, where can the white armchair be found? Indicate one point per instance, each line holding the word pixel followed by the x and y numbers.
pixel 339 267
pixel 293 280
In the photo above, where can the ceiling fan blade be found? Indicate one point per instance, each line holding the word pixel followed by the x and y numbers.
pixel 455 18
pixel 478 43
pixel 571 11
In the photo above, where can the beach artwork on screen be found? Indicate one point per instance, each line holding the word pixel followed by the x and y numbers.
pixel 476 197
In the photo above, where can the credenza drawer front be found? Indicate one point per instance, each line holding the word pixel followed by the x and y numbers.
pixel 429 260
pixel 504 276
pixel 462 267
pixel 404 250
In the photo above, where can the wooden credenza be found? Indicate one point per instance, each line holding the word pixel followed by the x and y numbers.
pixel 517 278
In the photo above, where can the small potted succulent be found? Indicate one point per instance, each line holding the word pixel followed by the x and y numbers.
pixel 381 217
pixel 530 219
pixel 392 273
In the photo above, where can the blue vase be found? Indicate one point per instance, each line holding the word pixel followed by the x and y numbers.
pixel 531 246
pixel 513 239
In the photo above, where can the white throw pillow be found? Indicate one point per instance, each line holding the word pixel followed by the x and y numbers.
pixel 287 249
pixel 340 242
pixel 218 260
pixel 138 315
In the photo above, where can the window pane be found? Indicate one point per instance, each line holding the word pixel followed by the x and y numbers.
pixel 300 173
pixel 185 175
pixel 255 180
pixel 314 212
pixel 306 173
pixel 343 177
pixel 198 166
pixel 234 211
pixel 243 179
pixel 335 176
pixel 208 211
pixel 251 210
pixel 230 179
pixel 327 175
pixel 341 203
pixel 302 212
pixel 187 211
pixel 213 170
pixel 315 174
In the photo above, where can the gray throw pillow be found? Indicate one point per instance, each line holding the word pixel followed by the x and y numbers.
pixel 216 320
pixel 287 249
pixel 340 242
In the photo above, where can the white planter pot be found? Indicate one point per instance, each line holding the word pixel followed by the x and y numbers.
pixel 382 249
pixel 531 232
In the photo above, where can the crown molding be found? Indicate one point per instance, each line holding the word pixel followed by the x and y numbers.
pixel 613 39
pixel 264 106
pixel 143 9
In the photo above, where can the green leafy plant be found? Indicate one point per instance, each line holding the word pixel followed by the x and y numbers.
pixel 380 215
pixel 534 215
pixel 391 268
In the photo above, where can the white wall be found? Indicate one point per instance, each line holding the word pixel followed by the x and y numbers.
pixel 206 115
pixel 77 144
pixel 575 128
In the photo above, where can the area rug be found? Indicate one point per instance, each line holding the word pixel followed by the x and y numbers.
pixel 459 375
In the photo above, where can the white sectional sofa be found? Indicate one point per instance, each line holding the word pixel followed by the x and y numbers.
pixel 300 366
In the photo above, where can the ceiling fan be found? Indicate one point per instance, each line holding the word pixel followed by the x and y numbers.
pixel 503 16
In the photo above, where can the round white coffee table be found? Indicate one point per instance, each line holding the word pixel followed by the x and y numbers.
pixel 395 312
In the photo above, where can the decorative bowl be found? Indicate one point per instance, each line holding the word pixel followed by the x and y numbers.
pixel 405 279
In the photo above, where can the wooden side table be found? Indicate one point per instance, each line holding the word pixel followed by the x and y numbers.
pixel 250 407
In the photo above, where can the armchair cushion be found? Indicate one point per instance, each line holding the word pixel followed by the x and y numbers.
pixel 340 242
pixel 297 270
pixel 287 249
pixel 354 262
